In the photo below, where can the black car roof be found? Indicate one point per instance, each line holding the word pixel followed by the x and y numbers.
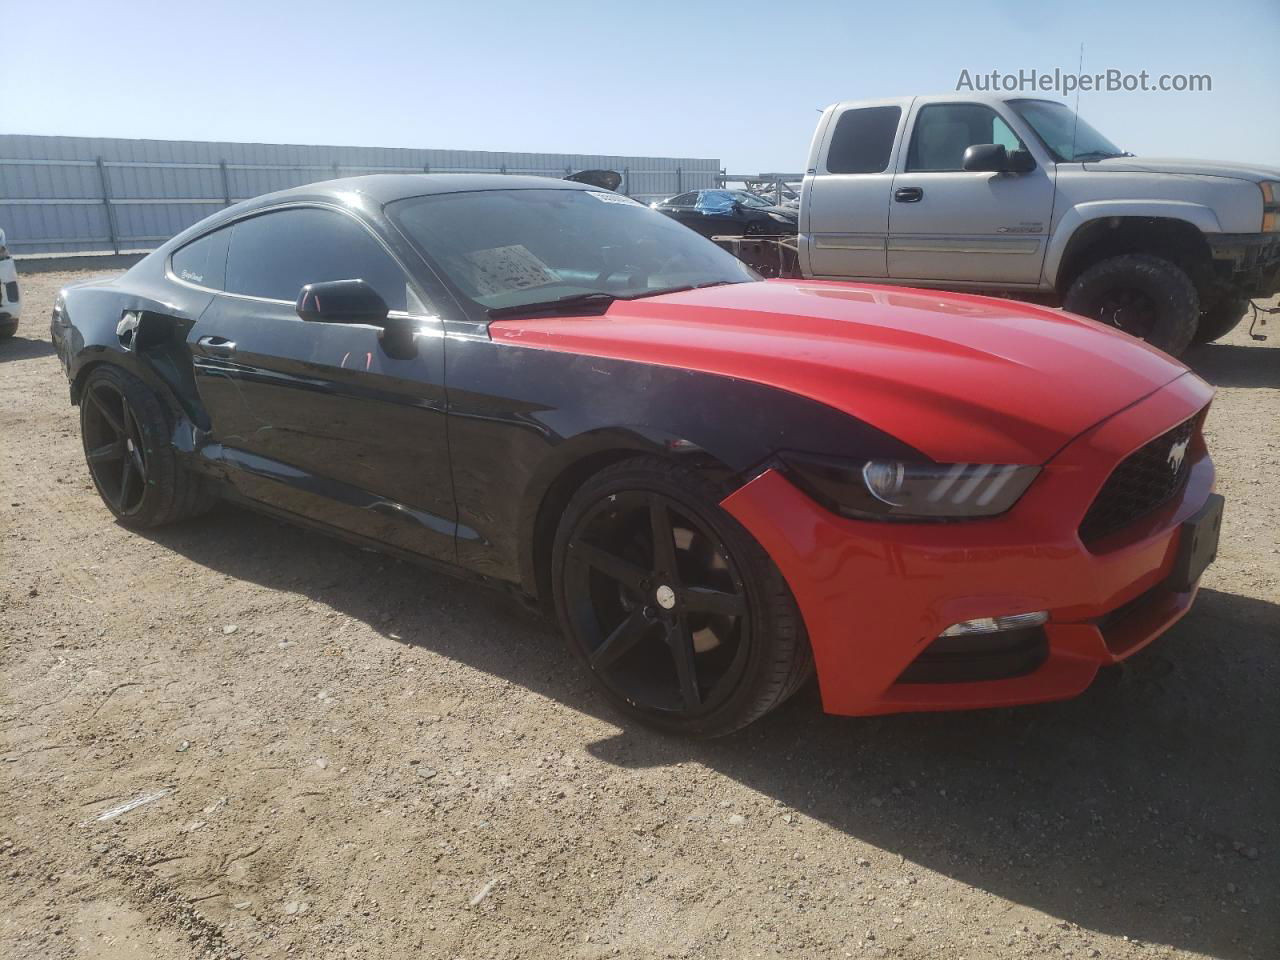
pixel 383 188
pixel 380 188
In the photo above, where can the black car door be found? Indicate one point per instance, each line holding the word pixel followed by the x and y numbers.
pixel 325 420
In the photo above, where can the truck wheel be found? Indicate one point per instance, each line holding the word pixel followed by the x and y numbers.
pixel 1220 318
pixel 1146 297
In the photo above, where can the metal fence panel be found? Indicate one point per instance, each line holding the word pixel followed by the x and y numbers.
pixel 78 194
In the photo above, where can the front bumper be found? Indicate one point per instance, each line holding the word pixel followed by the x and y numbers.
pixel 1248 262
pixel 874 596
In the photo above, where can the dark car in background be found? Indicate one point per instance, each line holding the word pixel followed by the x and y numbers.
pixel 715 213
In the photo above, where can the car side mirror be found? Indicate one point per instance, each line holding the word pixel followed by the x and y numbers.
pixel 342 301
pixel 986 158
pixel 737 206
pixel 1021 161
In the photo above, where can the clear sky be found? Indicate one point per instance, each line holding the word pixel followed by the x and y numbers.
pixel 739 81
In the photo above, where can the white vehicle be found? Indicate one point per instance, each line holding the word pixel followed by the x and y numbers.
pixel 1019 196
pixel 10 303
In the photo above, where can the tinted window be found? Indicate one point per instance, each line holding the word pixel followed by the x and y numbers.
pixel 945 130
pixel 863 140
pixel 275 255
pixel 203 261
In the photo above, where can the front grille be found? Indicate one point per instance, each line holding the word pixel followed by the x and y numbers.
pixel 1144 481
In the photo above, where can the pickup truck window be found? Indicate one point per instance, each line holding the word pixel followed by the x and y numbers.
pixel 863 140
pixel 1065 135
pixel 945 130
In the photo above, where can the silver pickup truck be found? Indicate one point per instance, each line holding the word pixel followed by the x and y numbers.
pixel 1020 196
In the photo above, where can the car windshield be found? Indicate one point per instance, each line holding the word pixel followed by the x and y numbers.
pixel 505 248
pixel 1067 136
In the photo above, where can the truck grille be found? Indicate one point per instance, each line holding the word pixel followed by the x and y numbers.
pixel 1144 481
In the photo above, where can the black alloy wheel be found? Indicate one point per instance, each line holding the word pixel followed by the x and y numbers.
pixel 679 615
pixel 126 434
pixel 115 449
pixel 1128 309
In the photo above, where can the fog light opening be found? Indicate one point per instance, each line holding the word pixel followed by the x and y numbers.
pixel 1015 621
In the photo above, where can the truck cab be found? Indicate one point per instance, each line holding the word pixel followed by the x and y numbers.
pixel 1019 196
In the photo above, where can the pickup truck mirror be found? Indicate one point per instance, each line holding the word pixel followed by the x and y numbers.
pixel 342 301
pixel 986 158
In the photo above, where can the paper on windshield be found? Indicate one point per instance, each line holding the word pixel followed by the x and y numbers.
pixel 502 269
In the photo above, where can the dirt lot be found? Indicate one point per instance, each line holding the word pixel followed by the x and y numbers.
pixel 366 760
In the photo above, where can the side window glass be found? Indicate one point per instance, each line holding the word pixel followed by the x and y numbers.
pixel 863 140
pixel 945 130
pixel 276 254
pixel 1002 133
pixel 203 261
pixel 684 200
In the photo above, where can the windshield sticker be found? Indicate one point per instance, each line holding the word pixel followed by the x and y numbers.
pixel 501 269
pixel 613 197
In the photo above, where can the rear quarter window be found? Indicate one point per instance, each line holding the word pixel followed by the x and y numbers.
pixel 203 261
pixel 863 140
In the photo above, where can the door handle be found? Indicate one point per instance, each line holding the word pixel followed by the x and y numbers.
pixel 217 346
pixel 908 194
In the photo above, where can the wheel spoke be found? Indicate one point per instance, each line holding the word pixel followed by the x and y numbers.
pixel 613 567
pixel 112 420
pixel 680 640
pixel 702 600
pixel 126 481
pixel 624 638
pixel 664 540
pixel 108 451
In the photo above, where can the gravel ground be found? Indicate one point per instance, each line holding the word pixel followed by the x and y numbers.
pixel 366 760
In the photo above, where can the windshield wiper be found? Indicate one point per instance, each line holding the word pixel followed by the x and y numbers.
pixel 596 298
pixel 688 286
pixel 572 302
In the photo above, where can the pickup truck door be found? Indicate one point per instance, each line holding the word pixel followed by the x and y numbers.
pixel 847 200
pixel 946 223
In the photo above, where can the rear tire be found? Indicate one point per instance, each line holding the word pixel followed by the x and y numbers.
pixel 1145 296
pixel 125 433
pixel 1220 318
pixel 699 645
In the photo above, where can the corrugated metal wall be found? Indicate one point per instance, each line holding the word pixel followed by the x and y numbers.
pixel 75 194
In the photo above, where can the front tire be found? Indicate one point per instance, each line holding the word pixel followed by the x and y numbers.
pixel 1145 296
pixel 678 613
pixel 1220 318
pixel 125 433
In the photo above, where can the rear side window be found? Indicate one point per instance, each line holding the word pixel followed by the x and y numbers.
pixel 684 200
pixel 863 140
pixel 203 261
pixel 945 130
pixel 276 254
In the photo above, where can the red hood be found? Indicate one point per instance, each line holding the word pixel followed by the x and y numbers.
pixel 959 377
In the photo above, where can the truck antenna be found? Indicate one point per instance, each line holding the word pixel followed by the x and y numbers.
pixel 1076 122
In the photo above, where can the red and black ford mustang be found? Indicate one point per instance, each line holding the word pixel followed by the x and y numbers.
pixel 719 483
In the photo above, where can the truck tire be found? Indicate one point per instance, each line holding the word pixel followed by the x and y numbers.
pixel 1220 318
pixel 1145 296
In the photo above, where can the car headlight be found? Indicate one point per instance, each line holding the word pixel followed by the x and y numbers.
pixel 905 490
pixel 1270 205
pixel 1270 192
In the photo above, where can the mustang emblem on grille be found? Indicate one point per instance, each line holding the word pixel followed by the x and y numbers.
pixel 1176 453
